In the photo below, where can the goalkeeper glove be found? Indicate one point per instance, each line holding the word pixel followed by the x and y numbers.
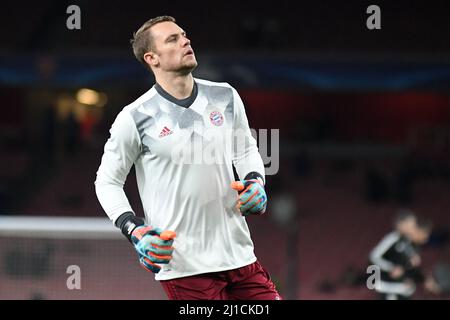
pixel 152 244
pixel 252 198
pixel 152 248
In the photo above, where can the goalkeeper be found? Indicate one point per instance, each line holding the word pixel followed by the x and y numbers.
pixel 194 236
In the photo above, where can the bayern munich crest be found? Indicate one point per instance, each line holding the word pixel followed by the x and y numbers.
pixel 216 118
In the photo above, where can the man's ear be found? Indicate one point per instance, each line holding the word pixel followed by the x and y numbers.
pixel 151 58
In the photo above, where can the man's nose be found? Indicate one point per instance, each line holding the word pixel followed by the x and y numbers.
pixel 185 42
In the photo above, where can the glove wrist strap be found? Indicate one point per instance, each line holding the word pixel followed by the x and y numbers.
pixel 127 222
pixel 256 176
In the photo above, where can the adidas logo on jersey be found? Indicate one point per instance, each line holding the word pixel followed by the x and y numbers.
pixel 165 132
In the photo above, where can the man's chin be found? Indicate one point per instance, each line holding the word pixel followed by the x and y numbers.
pixel 188 67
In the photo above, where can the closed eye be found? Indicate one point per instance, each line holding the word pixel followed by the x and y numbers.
pixel 172 38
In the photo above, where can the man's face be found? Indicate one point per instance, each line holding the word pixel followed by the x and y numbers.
pixel 172 49
pixel 406 226
pixel 420 236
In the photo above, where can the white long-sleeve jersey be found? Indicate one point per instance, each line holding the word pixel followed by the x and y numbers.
pixel 183 151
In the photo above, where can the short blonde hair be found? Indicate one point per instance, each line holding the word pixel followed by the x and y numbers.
pixel 142 41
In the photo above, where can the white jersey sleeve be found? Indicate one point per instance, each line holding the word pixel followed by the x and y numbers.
pixel 120 153
pixel 246 157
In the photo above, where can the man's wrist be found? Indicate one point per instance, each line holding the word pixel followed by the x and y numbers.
pixel 127 222
pixel 255 176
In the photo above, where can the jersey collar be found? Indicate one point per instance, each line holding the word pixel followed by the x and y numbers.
pixel 185 103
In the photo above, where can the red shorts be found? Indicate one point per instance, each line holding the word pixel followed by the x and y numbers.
pixel 251 282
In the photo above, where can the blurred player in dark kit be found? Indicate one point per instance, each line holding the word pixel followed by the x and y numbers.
pixel 398 258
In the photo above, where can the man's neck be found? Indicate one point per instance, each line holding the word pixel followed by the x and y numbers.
pixel 179 86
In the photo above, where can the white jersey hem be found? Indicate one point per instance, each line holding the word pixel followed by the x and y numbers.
pixel 176 276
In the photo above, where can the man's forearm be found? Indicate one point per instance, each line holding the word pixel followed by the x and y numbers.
pixel 112 198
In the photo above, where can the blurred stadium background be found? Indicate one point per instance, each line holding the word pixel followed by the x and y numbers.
pixel 364 119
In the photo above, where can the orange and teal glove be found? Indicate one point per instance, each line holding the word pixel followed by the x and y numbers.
pixel 252 198
pixel 153 245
